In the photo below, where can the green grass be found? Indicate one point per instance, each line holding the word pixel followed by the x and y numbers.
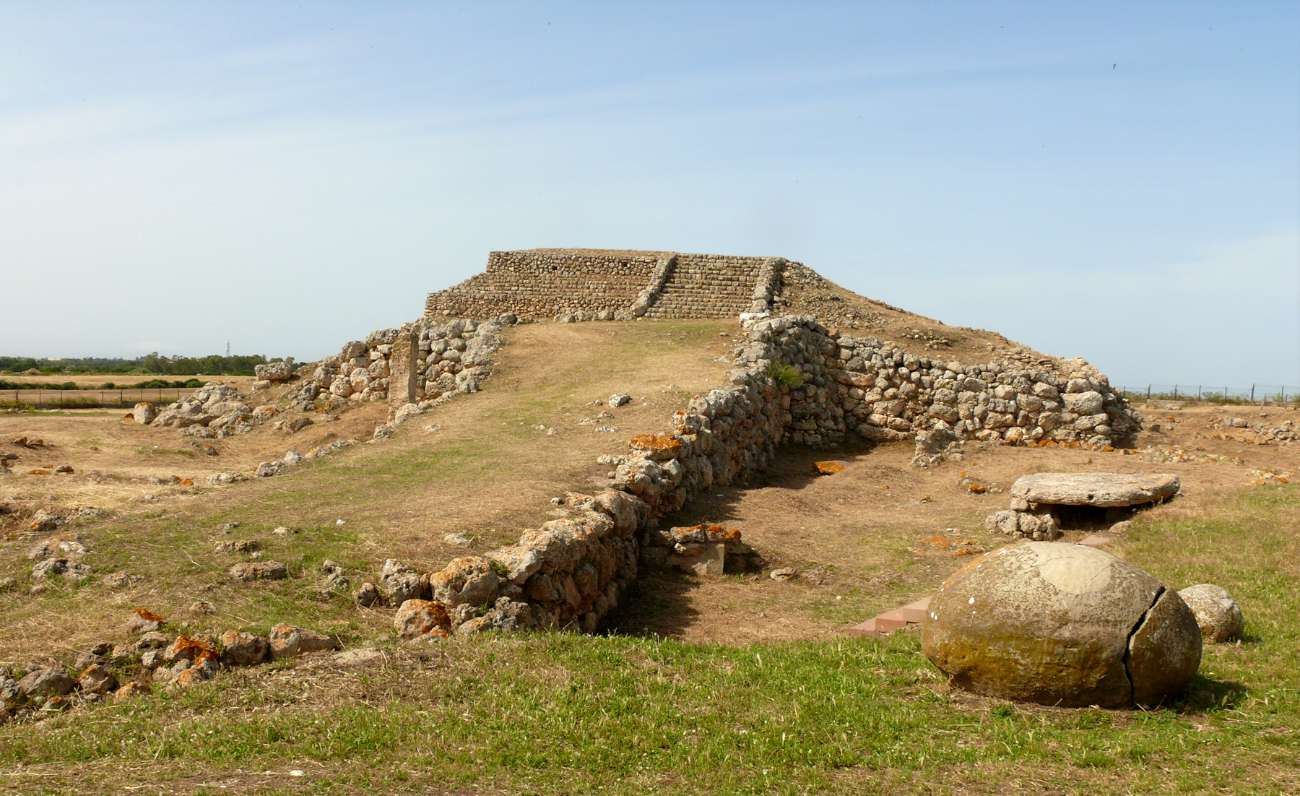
pixel 561 713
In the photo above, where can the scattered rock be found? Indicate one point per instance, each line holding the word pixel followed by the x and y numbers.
pixel 1217 614
pixel 243 649
pixel 783 574
pixel 829 467
pixel 129 690
pixel 144 413
pixel 259 570
pixel 620 399
pixel 288 641
pixel 46 682
pixel 97 679
pixel 457 539
pixel 367 595
pixel 239 546
pixel 151 640
pixel 143 621
pixel 68 569
pixel 399 583
pixel 419 618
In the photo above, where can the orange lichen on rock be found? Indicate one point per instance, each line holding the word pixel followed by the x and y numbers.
pixel 953 546
pixel 195 649
pixel 187 482
pixel 705 532
pixel 829 467
pixel 147 615
pixel 38 471
pixel 655 442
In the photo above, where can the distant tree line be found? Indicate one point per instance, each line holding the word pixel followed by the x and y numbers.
pixel 151 384
pixel 212 364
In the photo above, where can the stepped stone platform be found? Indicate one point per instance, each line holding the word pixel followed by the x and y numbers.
pixel 608 284
pixel 708 286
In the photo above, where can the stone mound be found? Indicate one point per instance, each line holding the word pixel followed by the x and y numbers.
pixel 1062 624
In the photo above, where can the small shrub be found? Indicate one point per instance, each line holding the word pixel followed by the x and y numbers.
pixel 785 375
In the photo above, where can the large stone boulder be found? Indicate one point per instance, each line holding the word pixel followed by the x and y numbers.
pixel 1217 614
pixel 1061 624
pixel 144 413
pixel 275 372
pixel 1103 490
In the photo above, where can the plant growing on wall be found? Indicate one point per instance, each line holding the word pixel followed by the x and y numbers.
pixel 785 375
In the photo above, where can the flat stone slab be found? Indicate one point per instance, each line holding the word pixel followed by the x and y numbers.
pixel 1104 490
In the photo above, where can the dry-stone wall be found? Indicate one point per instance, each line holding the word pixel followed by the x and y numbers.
pixel 794 381
pixel 539 284
pixel 417 362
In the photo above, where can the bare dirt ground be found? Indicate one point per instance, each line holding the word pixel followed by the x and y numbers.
pixel 882 533
pixel 484 466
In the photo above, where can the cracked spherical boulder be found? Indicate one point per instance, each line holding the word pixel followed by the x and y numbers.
pixel 1061 624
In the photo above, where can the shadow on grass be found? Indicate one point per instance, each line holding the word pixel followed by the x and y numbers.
pixel 1207 695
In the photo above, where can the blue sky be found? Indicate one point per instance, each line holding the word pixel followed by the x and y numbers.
pixel 1120 182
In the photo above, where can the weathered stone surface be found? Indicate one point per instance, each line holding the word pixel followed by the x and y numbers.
pixel 97 679
pixel 466 580
pixel 46 682
pixel 1217 614
pixel 703 559
pixel 399 583
pixel 144 413
pixel 418 618
pixel 275 372
pixel 288 641
pixel 143 621
pixel 243 649
pixel 1061 624
pixel 259 570
pixel 1104 490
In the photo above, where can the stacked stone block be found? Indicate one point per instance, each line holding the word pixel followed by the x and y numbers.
pixel 417 362
pixel 541 284
pixel 709 286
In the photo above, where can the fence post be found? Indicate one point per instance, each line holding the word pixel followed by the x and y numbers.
pixel 1198 392
pixel 1252 393
pixel 1148 392
pixel 1175 391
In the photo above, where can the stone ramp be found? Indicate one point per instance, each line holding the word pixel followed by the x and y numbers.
pixel 708 286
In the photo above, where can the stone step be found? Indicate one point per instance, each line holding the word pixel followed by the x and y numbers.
pixel 910 615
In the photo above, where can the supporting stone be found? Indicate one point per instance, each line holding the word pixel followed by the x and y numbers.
pixel 403 369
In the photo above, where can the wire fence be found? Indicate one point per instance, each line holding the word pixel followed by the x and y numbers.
pixel 1214 393
pixel 90 399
